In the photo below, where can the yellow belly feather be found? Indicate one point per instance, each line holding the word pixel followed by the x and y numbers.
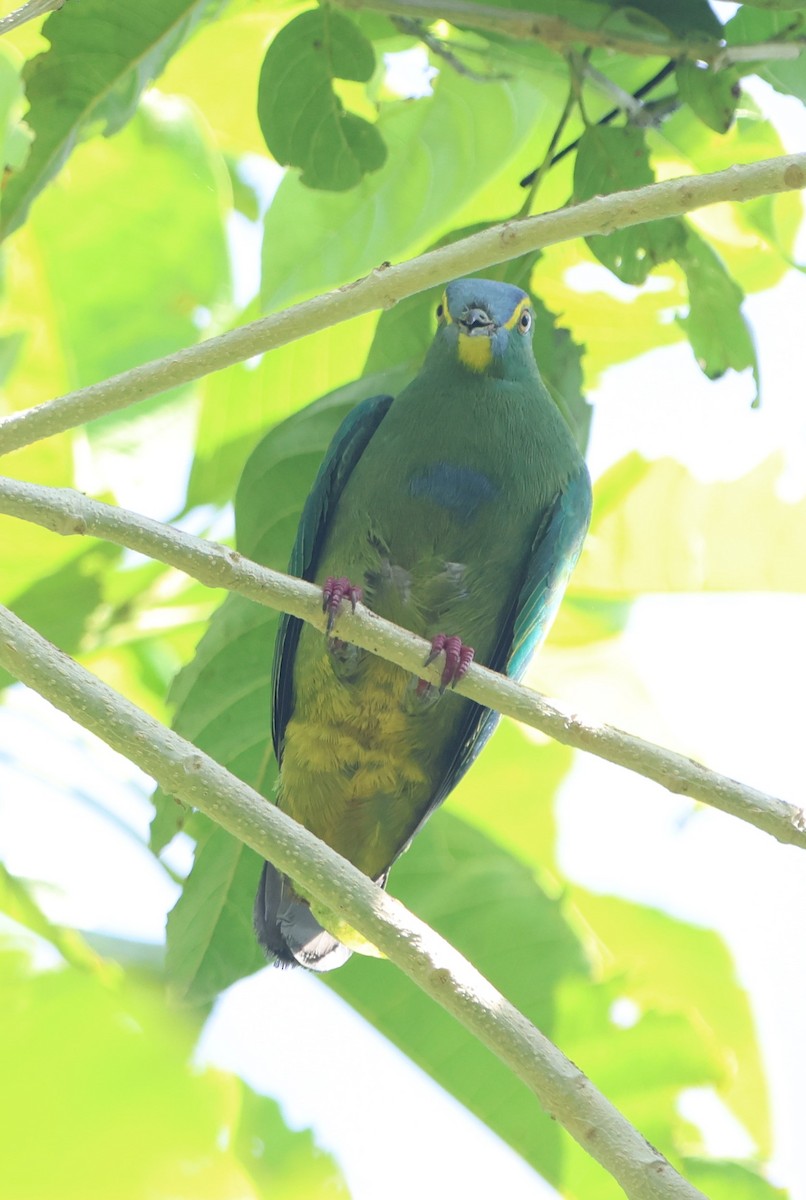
pixel 352 770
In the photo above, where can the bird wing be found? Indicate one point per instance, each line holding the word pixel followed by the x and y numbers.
pixel 555 550
pixel 349 443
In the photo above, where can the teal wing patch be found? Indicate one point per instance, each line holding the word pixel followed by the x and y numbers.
pixel 349 443
pixel 555 551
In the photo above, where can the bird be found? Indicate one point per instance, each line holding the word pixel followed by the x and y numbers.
pixel 456 509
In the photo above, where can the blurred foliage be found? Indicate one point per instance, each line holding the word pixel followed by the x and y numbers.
pixel 122 1114
pixel 145 208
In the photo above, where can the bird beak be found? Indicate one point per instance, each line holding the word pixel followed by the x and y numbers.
pixel 476 322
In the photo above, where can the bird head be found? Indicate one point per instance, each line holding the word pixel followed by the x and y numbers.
pixel 486 325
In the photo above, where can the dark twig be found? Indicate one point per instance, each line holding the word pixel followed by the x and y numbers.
pixel 610 116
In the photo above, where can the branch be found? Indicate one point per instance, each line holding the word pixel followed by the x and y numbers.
pixel 442 973
pixel 561 34
pixel 29 12
pixel 68 512
pixel 386 285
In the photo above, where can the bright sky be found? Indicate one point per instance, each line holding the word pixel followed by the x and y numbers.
pixel 718 677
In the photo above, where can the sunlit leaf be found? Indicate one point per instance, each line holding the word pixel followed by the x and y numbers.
pixel 128 284
pixel 673 533
pixel 612 328
pixel 104 1071
pixel 725 1180
pixel 662 961
pixel 240 404
pixel 100 59
pixel 741 233
pixel 279 1162
pixel 15 136
pixel 78 583
pixel 719 334
pixel 18 903
pixel 202 72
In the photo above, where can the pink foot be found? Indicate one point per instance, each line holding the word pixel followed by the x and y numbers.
pixel 458 658
pixel 334 593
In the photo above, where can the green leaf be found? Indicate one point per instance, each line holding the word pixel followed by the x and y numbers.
pixel 15 136
pixel 101 57
pixel 641 1070
pixel 223 702
pixel 282 1163
pixel 490 907
pixel 202 72
pixel 736 536
pixel 155 251
pixel 663 961
pixel 719 334
pixel 210 926
pixel 684 145
pixel 238 405
pixel 624 329
pixel 525 941
pixel 611 160
pixel 753 27
pixel 475 879
pixel 17 902
pixel 713 95
pixel 104 1070
pixel 302 118
pixel 60 604
pixel 725 1180
pixel 528 773
pixel 442 150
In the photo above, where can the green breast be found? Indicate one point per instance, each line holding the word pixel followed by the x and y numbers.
pixel 436 524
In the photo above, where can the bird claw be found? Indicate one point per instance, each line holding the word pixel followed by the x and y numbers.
pixel 458 658
pixel 334 593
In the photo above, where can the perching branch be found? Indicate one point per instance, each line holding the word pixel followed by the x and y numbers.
pixel 386 285
pixel 442 973
pixel 68 512
pixel 29 12
pixel 560 33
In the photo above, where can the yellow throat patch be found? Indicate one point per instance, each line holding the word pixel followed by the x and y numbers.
pixel 475 352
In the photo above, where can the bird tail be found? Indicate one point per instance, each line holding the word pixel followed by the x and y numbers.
pixel 288 930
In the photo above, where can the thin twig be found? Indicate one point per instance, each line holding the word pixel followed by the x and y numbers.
pixel 763 52
pixel 68 512
pixel 536 177
pixel 444 50
pixel 431 962
pixel 29 12
pixel 638 94
pixel 386 285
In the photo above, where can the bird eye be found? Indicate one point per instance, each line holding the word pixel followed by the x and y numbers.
pixel 525 323
pixel 440 311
